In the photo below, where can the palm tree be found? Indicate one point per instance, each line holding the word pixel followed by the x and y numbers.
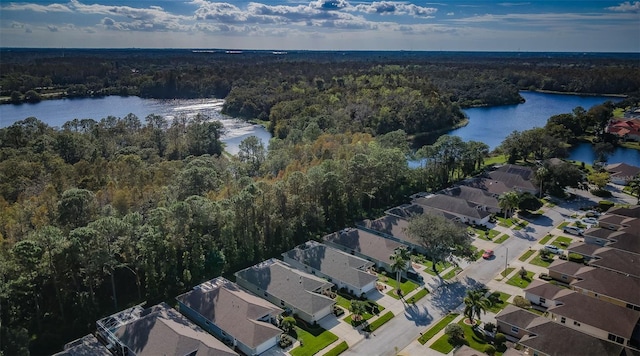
pixel 508 202
pixel 476 303
pixel 541 175
pixel 358 308
pixel 400 259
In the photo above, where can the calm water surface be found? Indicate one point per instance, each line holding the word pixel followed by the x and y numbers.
pixel 56 112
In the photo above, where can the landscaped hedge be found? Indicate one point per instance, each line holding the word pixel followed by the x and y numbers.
pixel 605 205
pixel 576 257
pixel 342 347
pixel 379 322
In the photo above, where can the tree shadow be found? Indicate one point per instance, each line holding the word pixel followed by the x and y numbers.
pixel 419 315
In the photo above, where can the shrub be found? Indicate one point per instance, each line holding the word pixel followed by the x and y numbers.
pixel 576 257
pixel 521 302
pixel 489 327
pixel 605 205
pixel 455 333
pixel 337 311
pixel 490 350
pixel 602 193
pixel 500 339
pixel 285 341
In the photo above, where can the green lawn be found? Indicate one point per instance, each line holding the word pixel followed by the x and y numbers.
pixel 312 341
pixel 349 319
pixel 442 345
pixel 520 225
pixel 343 302
pixel 406 287
pixel 426 336
pixel 419 295
pixel 502 239
pixel 560 240
pixel 508 222
pixel 538 261
pixel 477 254
pixel 544 240
pixel 482 234
pixel 498 159
pixel 376 324
pixel 429 266
pixel 452 273
pixel 342 347
pixel 504 273
pixel 519 282
pixel 526 255
pixel 501 305
pixel 475 339
pixel 561 226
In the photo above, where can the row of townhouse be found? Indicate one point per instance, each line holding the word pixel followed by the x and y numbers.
pixel 592 308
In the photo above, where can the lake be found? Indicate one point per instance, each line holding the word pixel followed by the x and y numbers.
pixel 487 124
pixel 56 112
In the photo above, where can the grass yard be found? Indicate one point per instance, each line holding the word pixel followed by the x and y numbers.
pixel 526 255
pixel 544 240
pixel 521 225
pixel 349 319
pixel 504 273
pixel 539 261
pixel 312 341
pixel 419 295
pixel 342 347
pixel 476 340
pixel 376 324
pixel 429 266
pixel 343 302
pixel 499 159
pixel 406 287
pixel 477 254
pixel 482 234
pixel 442 345
pixel 426 336
pixel 561 242
pixel 508 222
pixel 500 305
pixel 452 273
pixel 502 239
pixel 520 282
pixel 561 226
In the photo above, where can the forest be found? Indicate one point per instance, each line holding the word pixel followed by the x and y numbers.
pixel 104 213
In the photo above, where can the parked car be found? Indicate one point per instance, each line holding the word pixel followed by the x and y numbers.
pixel 487 254
pixel 573 230
pixel 592 213
pixel 553 249
pixel 590 221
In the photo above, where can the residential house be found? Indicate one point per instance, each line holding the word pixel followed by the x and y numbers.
pixel 159 330
pixel 364 244
pixel 609 286
pixel 407 211
pixel 615 260
pixel 622 173
pixel 616 222
pixel 566 271
pixel 87 345
pixel 467 212
pixel 514 182
pixel 631 211
pixel 233 315
pixel 492 186
pixel 626 130
pixel 479 197
pixel 344 270
pixel 553 339
pixel 594 317
pixel 392 227
pixel 544 294
pixel 299 292
pixel 526 173
pixel 602 236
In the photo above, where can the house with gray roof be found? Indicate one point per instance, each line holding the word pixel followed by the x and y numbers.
pixel 233 315
pixel 514 321
pixel 525 172
pixel 594 317
pixel 391 227
pixel 481 198
pixel 513 181
pixel 159 330
pixel 609 286
pixel 631 211
pixel 281 284
pixel 465 211
pixel 616 222
pixel 87 345
pixel 346 271
pixel 566 271
pixel 544 294
pixel 622 173
pixel 617 261
pixel 364 244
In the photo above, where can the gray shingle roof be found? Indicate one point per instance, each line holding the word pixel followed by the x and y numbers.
pixel 366 243
pixel 515 316
pixel 609 283
pixel 567 267
pixel 525 172
pixel 391 226
pixel 473 195
pixel 632 212
pixel 512 181
pixel 553 339
pixel 233 310
pixel 546 290
pixel 597 313
pixel 333 263
pixel 284 282
pixel 492 186
pixel 617 260
pixel 452 205
pixel 163 331
pixel 87 345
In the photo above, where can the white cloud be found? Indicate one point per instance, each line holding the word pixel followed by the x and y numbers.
pixel 508 4
pixel 35 7
pixel 396 8
pixel 450 13
pixel 626 6
pixel 52 28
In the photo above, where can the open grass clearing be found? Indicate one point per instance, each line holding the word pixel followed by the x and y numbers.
pixel 502 238
pixel 526 255
pixel 539 261
pixel 544 240
pixel 340 348
pixel 505 273
pixel 562 242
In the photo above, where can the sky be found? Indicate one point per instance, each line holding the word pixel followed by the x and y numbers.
pixel 451 25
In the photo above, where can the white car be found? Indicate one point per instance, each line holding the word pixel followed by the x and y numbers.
pixel 553 249
pixel 573 230
pixel 590 221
